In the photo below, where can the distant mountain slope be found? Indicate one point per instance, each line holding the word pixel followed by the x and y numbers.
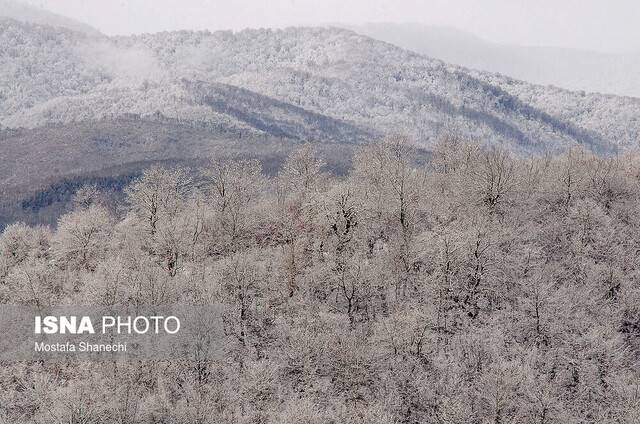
pixel 571 69
pixel 26 13
pixel 617 117
pixel 304 83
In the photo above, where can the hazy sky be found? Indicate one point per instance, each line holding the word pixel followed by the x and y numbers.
pixel 606 25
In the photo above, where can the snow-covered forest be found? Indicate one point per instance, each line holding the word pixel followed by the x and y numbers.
pixel 390 238
pixel 292 82
pixel 474 287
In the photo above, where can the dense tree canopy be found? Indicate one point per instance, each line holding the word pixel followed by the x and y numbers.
pixel 477 287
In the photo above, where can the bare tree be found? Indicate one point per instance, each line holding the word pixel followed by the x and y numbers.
pixel 82 237
pixel 234 186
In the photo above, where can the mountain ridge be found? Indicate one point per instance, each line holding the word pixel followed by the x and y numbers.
pixel 572 69
pixel 27 13
pixel 330 72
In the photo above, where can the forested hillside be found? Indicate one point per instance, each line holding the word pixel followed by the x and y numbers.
pixel 283 82
pixel 476 287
